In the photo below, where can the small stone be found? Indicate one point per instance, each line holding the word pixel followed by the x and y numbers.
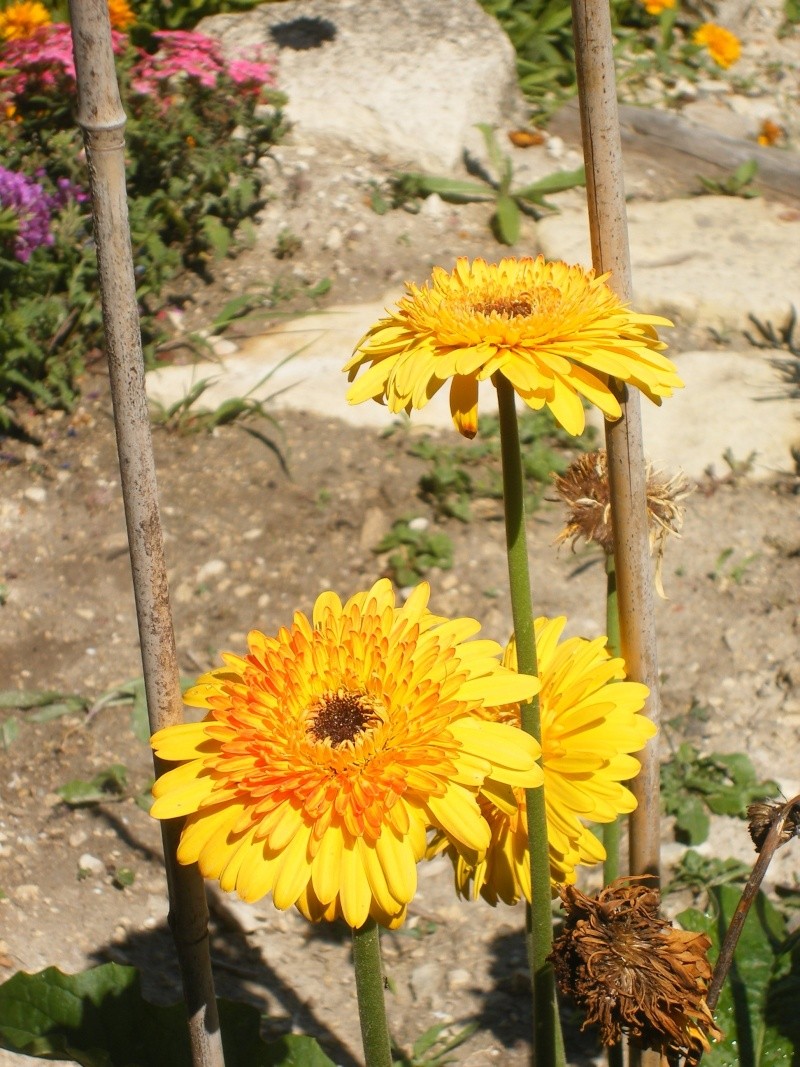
pixel 92 865
pixel 333 239
pixel 555 147
pixel 184 593
pixel 212 569
pixel 433 206
pixel 85 613
pixel 419 524
pixel 243 590
pixel 35 494
pixel 373 529
pixel 459 979
pixel 25 894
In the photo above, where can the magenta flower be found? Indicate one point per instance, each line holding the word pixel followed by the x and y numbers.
pixel 44 60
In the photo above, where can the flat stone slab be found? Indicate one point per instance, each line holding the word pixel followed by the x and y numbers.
pixel 299 363
pixel 732 400
pixel 711 260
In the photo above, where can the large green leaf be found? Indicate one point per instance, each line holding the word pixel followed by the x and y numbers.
pixel 98 1018
pixel 758 1008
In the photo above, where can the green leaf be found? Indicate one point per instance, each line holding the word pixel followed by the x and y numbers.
pixel 553 183
pixel 107 785
pixel 98 1018
pixel 9 731
pixel 757 1009
pixel 217 234
pixel 745 172
pixel 500 162
pixel 692 822
pixel 457 190
pixel 507 220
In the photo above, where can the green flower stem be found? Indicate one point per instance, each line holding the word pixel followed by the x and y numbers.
pixel 369 988
pixel 612 831
pixel 548 1042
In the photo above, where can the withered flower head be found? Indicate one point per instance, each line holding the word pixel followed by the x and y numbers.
pixel 764 814
pixel 584 488
pixel 631 972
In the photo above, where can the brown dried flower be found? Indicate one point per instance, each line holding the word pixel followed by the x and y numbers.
pixel 584 488
pixel 764 814
pixel 631 972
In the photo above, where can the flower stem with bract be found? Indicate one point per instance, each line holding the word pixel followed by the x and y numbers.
pixel 547 1038
pixel 371 1003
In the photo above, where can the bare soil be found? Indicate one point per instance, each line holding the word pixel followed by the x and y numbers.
pixel 248 542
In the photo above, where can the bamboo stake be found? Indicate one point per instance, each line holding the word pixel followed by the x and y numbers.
pixel 602 146
pixel 102 120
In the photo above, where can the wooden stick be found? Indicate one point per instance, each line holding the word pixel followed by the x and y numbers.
pixel 605 192
pixel 102 120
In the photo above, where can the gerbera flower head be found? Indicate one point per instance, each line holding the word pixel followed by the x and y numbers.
pixel 632 973
pixel 330 750
pixel 22 19
pixel 723 46
pixel 591 722
pixel 584 488
pixel 557 333
pixel 121 14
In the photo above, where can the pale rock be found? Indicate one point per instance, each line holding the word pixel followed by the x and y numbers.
pixel 381 76
pixel 92 865
pixel 433 207
pixel 213 568
pixel 419 523
pixel 333 239
pixel 35 494
pixel 709 261
pixel 375 526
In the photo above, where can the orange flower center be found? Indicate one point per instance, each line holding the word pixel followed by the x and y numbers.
pixel 543 300
pixel 341 716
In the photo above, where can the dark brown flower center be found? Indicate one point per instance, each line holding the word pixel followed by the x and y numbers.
pixel 510 308
pixel 341 717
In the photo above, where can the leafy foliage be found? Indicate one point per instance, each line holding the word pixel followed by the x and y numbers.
pixel 693 785
pixel 740 183
pixel 431 1048
pixel 510 202
pixel 757 1010
pixel 462 472
pixel 98 1018
pixel 414 551
pixel 700 873
pixel 193 184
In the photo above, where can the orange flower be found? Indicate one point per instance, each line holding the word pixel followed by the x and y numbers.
pixel 723 46
pixel 655 7
pixel 23 19
pixel 121 15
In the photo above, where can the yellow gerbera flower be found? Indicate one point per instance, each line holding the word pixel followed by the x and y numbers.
pixel 556 332
pixel 590 725
pixel 121 14
pixel 723 46
pixel 332 748
pixel 23 19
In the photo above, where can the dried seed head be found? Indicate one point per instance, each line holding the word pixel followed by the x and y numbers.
pixel 584 488
pixel 631 972
pixel 764 814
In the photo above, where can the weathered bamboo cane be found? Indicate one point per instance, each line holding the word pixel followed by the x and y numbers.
pixel 605 189
pixel 102 120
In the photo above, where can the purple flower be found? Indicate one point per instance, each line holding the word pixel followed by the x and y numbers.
pixel 26 198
